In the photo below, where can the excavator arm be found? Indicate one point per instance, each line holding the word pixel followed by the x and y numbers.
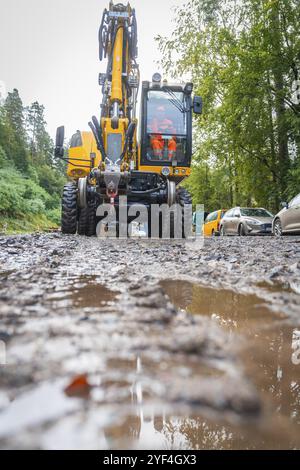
pixel 116 133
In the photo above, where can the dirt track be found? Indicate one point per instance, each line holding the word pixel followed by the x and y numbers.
pixel 166 362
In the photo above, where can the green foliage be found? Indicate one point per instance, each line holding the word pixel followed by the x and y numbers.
pixel 54 215
pixel 243 58
pixel 30 181
pixel 19 196
pixel 3 158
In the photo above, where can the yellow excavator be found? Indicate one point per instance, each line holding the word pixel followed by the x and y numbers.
pixel 117 157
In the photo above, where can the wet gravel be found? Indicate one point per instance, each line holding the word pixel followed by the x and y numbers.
pixel 72 305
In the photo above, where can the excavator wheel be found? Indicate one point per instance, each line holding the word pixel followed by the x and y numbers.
pixel 82 221
pixel 183 198
pixel 69 209
pixel 91 220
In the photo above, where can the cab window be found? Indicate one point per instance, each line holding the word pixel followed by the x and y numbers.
pixel 166 126
pixel 76 140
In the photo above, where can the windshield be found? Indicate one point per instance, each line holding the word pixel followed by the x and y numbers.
pixel 164 113
pixel 255 213
pixel 166 127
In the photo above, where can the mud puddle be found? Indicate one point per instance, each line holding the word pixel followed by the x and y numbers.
pixel 84 292
pixel 271 355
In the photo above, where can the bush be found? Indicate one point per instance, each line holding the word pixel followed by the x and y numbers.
pixel 34 206
pixel 50 179
pixel 3 158
pixel 20 196
pixel 54 215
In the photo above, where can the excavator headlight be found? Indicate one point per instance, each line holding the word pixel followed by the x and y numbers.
pixel 156 78
pixel 165 171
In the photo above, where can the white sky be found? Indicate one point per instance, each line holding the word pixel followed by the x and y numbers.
pixel 49 52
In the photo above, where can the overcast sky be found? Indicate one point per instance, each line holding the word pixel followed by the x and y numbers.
pixel 49 51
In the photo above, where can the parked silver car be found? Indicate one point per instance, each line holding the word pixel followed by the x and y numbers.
pixel 288 219
pixel 246 221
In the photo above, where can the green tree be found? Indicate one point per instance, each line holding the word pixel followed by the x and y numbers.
pixel 30 181
pixel 12 131
pixel 243 58
pixel 40 143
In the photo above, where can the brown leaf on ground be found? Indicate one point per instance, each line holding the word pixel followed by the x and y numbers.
pixel 78 387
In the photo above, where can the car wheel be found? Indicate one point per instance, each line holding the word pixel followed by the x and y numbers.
pixel 277 228
pixel 241 231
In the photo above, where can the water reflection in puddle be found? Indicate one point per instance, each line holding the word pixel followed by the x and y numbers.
pixel 164 431
pixel 269 358
pixel 231 309
pixel 84 292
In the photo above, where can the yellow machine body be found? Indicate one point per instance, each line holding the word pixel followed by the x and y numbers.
pixel 83 155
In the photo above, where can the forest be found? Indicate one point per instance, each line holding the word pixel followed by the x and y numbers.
pixel 31 180
pixel 244 60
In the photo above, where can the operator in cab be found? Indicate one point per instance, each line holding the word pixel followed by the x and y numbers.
pixel 162 124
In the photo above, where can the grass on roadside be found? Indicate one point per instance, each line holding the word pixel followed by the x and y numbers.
pixel 25 224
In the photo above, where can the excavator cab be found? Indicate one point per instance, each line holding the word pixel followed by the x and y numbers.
pixel 166 128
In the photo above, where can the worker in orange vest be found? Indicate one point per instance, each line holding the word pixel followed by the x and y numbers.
pixel 162 125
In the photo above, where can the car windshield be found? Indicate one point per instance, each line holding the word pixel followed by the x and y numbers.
pixel 255 213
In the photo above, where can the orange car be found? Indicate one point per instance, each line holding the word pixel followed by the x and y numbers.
pixel 211 226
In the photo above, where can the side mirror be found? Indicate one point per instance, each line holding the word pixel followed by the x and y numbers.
pixel 59 141
pixel 237 216
pixel 197 104
pixel 284 205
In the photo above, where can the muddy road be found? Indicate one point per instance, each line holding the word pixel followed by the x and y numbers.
pixel 135 344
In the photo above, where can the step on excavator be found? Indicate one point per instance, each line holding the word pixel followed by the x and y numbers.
pixel 117 160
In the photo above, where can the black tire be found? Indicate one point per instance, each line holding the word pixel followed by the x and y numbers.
pixel 91 221
pixel 82 221
pixel 69 209
pixel 277 228
pixel 241 231
pixel 183 198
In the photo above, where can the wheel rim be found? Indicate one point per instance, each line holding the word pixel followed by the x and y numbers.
pixel 171 193
pixel 82 192
pixel 277 228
